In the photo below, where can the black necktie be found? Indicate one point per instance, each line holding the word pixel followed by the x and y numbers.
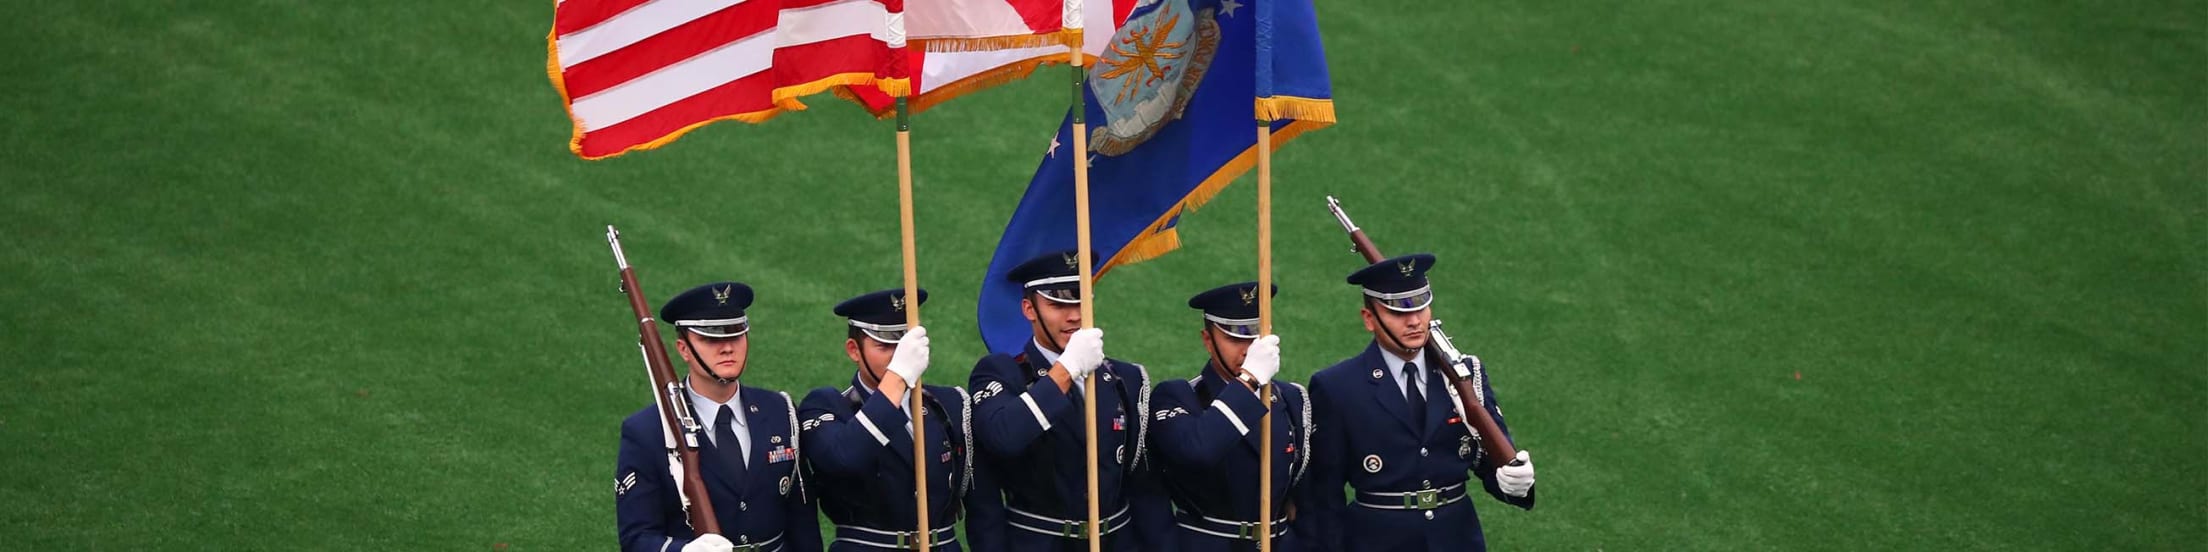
pixel 1411 393
pixel 724 440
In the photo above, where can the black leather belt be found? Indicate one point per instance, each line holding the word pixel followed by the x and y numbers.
pixel 1063 528
pixel 895 540
pixel 1426 499
pixel 1225 528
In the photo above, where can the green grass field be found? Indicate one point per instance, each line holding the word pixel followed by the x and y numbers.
pixel 1754 275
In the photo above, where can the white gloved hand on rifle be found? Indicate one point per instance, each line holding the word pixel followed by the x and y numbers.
pixel 709 542
pixel 911 358
pixel 1516 479
pixel 1084 352
pixel 1262 362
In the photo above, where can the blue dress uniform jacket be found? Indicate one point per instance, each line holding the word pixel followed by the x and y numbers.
pixel 1363 437
pixel 767 508
pixel 1032 443
pixel 859 457
pixel 1208 436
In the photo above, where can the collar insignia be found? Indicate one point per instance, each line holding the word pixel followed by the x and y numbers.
pixel 721 295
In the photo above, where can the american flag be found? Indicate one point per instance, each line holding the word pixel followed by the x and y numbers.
pixel 965 46
pixel 636 74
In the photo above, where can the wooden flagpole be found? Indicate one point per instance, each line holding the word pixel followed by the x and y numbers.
pixel 912 320
pixel 1072 20
pixel 1264 328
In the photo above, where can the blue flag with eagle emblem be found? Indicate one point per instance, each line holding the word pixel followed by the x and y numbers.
pixel 1172 109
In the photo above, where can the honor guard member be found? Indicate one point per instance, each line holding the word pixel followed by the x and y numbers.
pixel 1387 427
pixel 1209 430
pixel 859 442
pixel 1028 419
pixel 748 446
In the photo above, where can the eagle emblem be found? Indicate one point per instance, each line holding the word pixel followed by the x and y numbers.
pixel 1407 267
pixel 897 302
pixel 721 295
pixel 1249 296
pixel 1150 71
pixel 1072 261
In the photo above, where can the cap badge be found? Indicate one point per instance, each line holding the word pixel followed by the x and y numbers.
pixel 1406 267
pixel 721 295
pixel 897 302
pixel 1249 296
pixel 1072 261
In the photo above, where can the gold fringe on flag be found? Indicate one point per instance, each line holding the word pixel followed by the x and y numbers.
pixel 1067 37
pixel 1290 107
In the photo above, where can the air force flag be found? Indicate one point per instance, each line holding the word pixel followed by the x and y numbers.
pixel 1172 109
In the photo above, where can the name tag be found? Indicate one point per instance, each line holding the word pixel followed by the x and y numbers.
pixel 781 454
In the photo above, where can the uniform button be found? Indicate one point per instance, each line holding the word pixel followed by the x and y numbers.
pixel 1427 484
pixel 1429 515
pixel 746 539
pixel 1421 451
pixel 743 506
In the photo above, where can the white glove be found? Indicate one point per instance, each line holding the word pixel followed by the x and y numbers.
pixel 1084 352
pixel 1516 479
pixel 709 542
pixel 1263 360
pixel 911 358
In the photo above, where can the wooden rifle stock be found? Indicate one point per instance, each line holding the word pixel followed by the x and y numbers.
pixel 677 423
pixel 1441 352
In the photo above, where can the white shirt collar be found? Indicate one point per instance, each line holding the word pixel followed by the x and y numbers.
pixel 1049 357
pixel 709 411
pixel 1395 370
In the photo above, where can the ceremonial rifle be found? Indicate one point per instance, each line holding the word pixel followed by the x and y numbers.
pixel 1463 371
pixel 672 397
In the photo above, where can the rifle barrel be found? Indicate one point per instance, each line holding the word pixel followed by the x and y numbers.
pixel 674 407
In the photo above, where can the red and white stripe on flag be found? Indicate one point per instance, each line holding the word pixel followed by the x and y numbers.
pixel 636 74
pixel 943 73
pixel 979 25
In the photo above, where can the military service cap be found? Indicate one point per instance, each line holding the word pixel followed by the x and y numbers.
pixel 881 314
pixel 711 310
pixel 1232 308
pixel 1056 276
pixel 1399 283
